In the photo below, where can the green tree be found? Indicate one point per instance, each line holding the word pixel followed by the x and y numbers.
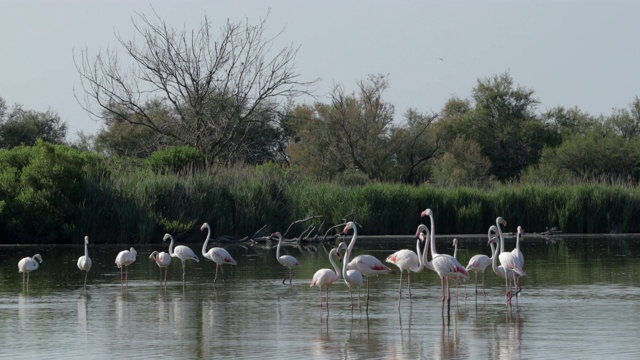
pixel 23 127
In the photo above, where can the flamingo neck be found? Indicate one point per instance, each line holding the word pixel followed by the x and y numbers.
pixel 518 241
pixel 345 263
pixel 352 243
pixel 333 263
pixel 500 237
pixel 433 237
pixel 420 260
pixel 206 242
pixel 171 253
pixel 278 249
pixel 494 258
pixel 86 250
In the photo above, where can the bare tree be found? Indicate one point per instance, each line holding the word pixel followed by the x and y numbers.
pixel 218 88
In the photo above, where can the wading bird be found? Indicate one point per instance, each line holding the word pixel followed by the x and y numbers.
pixel 287 261
pixel 27 265
pixel 181 252
pixel 367 265
pixel 125 258
pixel 162 259
pixel 352 278
pixel 84 262
pixel 323 278
pixel 218 255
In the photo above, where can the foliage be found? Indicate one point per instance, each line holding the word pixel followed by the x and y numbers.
pixel 24 127
pixel 175 159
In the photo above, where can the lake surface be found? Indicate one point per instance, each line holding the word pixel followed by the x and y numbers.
pixel 581 300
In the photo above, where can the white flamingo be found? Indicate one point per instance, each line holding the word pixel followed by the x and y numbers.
pixel 287 261
pixel 27 265
pixel 181 252
pixel 479 263
pixel 352 278
pixel 508 259
pixel 409 261
pixel 445 265
pixel 502 272
pixel 367 265
pixel 162 259
pixel 218 255
pixel 84 262
pixel 126 258
pixel 323 278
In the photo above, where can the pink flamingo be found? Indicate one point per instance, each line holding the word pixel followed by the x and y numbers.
pixel 326 277
pixel 445 265
pixel 503 272
pixel 126 258
pixel 162 259
pixel 479 263
pixel 367 265
pixel 352 278
pixel 181 252
pixel 218 255
pixel 287 261
pixel 409 261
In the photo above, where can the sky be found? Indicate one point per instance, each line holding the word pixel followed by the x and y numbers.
pixel 581 54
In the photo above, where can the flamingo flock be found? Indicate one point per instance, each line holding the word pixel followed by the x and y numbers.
pixel 356 271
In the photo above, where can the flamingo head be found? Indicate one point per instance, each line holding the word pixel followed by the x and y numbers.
pixel 276 235
pixel 133 251
pixel 422 228
pixel 520 231
pixel 204 226
pixel 427 212
pixel 153 255
pixel 37 256
pixel 455 242
pixel 166 237
pixel 341 246
pixel 86 239
pixel 347 227
pixel 492 240
pixel 501 221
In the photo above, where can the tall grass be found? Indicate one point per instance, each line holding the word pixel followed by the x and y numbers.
pixel 141 205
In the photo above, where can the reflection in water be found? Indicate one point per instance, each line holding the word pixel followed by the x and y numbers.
pixel 255 316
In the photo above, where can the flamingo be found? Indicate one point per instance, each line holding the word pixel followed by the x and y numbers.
pixel 84 262
pixel 367 265
pixel 162 259
pixel 126 258
pixel 326 277
pixel 27 265
pixel 502 271
pixel 509 260
pixel 445 265
pixel 218 255
pixel 353 278
pixel 287 261
pixel 409 261
pixel 181 252
pixel 479 263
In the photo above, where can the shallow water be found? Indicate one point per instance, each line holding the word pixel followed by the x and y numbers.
pixel 580 300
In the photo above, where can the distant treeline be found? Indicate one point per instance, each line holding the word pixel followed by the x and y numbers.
pixel 57 194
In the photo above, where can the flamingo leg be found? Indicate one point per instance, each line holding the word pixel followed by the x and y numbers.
pixel 165 275
pixel 126 275
pixel 409 282
pixel 216 277
pixel 183 270
pixel 400 289
pixel 85 278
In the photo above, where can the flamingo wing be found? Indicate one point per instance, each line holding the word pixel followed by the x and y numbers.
pixel 404 259
pixel 448 266
pixel 221 256
pixel 288 261
pixel 479 263
pixel 185 253
pixel 368 265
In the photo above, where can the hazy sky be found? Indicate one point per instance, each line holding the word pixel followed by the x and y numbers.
pixel 571 53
